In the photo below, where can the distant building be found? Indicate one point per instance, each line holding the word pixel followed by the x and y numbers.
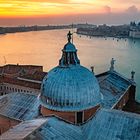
pixel 134 33
pixel 74 104
pixel 86 25
pixel 134 30
pixel 105 31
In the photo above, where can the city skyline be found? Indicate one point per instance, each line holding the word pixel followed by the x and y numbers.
pixel 17 12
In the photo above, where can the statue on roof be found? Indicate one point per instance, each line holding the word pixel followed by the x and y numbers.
pixel 112 64
pixel 69 36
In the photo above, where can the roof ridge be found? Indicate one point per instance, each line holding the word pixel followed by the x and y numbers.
pixel 129 114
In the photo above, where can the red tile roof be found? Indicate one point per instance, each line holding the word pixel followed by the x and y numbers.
pixel 16 81
pixel 10 73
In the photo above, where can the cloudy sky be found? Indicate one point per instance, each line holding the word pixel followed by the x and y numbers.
pixel 17 12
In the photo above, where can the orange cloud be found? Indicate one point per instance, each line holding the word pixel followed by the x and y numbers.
pixel 26 8
pixel 132 9
pixel 41 7
pixel 48 1
pixel 107 9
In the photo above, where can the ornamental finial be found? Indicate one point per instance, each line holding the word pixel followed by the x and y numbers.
pixel 92 69
pixel 112 64
pixel 69 36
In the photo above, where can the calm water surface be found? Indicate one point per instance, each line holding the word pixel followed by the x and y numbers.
pixel 44 48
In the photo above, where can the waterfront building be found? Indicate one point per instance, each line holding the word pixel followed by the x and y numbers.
pixel 134 30
pixel 74 104
pixel 105 31
pixel 86 25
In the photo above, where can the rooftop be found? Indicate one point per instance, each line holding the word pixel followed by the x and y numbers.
pixel 23 75
pixel 23 130
pixel 113 125
pixel 37 76
pixel 110 124
pixel 112 87
pixel 20 82
pixel 18 69
pixel 19 106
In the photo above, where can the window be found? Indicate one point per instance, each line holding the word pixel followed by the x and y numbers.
pixel 79 117
pixel 0 131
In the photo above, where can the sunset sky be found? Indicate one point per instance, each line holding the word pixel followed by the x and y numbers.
pixel 18 11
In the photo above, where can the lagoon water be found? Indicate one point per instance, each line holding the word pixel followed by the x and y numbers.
pixel 44 48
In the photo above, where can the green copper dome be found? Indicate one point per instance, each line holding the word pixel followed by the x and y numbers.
pixel 70 86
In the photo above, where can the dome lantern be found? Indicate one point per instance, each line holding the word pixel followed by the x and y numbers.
pixel 69 54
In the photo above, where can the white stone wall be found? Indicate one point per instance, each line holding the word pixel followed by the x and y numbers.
pixel 134 34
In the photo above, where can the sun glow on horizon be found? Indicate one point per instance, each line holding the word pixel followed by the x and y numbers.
pixel 27 8
pixel 15 8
